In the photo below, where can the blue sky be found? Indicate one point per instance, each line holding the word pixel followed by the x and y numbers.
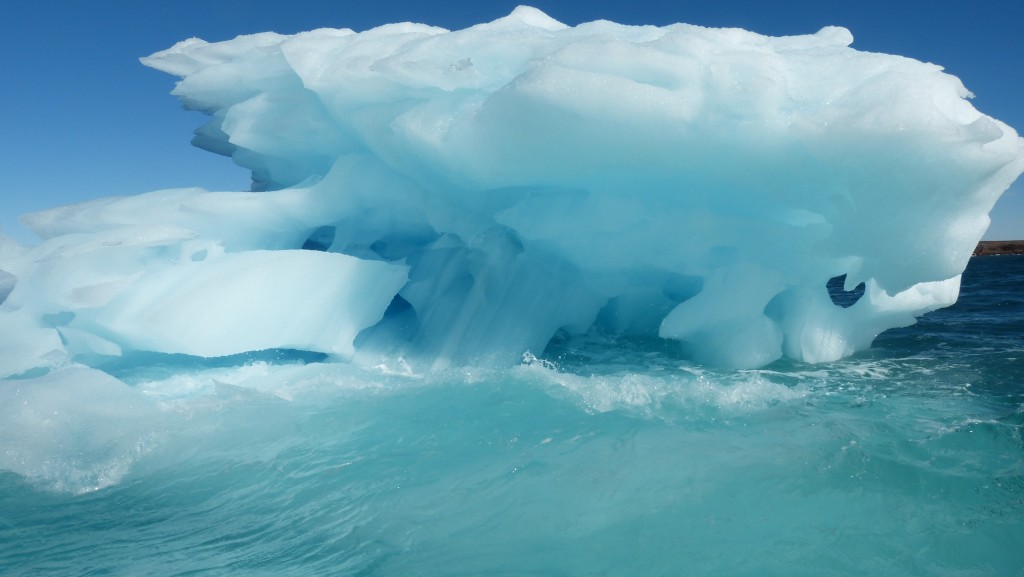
pixel 82 118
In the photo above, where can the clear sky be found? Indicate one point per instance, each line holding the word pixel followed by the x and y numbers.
pixel 82 118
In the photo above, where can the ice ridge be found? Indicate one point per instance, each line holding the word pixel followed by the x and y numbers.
pixel 464 196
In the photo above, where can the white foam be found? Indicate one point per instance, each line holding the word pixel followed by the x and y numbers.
pixel 75 429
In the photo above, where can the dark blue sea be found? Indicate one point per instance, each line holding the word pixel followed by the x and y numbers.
pixel 595 457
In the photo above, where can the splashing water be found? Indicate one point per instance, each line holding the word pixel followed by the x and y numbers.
pixel 596 457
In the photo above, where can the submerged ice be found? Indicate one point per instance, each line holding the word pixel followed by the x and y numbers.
pixel 466 196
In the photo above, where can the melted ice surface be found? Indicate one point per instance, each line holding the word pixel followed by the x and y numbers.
pixel 433 197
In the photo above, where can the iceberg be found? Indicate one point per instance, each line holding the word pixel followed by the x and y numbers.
pixel 454 197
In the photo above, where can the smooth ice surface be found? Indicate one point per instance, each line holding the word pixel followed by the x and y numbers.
pixel 441 197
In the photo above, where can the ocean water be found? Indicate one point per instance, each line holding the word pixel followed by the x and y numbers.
pixel 595 457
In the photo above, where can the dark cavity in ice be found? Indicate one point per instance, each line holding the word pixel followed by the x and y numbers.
pixel 321 239
pixel 840 297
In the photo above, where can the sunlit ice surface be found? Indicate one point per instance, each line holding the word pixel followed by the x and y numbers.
pixel 464 197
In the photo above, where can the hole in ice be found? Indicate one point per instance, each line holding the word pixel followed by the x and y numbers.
pixel 840 297
pixel 396 246
pixel 199 255
pixel 321 239
pixel 399 323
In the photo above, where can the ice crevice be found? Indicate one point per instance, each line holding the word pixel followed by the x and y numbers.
pixel 463 196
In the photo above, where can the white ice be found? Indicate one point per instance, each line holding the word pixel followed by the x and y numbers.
pixel 462 197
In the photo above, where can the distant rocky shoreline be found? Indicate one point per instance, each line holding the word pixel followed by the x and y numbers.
pixel 999 247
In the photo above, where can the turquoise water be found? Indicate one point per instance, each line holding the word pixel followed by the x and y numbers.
pixel 597 458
